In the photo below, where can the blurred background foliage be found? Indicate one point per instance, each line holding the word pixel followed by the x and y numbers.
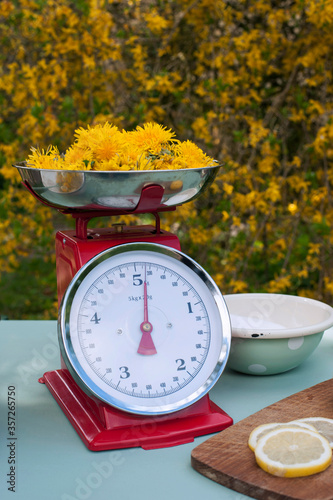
pixel 250 82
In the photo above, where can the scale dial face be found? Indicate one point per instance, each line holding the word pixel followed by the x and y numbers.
pixel 144 328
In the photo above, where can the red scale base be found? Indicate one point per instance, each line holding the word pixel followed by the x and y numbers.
pixel 102 427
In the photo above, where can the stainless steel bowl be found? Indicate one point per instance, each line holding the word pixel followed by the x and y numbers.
pixel 116 190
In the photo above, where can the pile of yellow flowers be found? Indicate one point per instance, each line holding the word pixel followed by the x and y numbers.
pixel 105 147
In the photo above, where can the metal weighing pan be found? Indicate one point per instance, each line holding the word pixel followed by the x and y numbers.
pixel 114 190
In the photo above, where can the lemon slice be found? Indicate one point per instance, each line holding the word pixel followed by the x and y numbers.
pixel 261 430
pixel 292 452
pixel 322 425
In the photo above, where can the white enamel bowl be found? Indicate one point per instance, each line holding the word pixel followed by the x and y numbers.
pixel 273 333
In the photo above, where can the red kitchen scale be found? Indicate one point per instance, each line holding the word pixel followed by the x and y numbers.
pixel 144 332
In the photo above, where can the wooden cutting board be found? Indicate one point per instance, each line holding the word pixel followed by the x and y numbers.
pixel 227 459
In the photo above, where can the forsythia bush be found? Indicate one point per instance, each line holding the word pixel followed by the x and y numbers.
pixel 251 83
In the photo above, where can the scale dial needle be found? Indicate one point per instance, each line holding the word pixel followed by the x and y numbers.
pixel 146 345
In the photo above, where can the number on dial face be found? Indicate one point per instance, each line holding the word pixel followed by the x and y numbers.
pixel 144 332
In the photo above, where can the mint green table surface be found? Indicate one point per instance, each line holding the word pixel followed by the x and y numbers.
pixel 51 462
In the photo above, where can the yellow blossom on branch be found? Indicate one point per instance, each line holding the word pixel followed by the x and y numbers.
pixel 250 82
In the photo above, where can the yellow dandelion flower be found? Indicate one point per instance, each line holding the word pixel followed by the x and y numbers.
pixel 144 163
pixel 126 163
pixel 151 138
pixel 104 140
pixel 112 164
pixel 192 155
pixel 166 162
pixel 49 159
pixel 83 135
pixel 77 158
pixel 108 148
